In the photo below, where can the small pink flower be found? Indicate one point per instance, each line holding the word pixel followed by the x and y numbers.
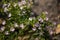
pixel 37 24
pixel 46 18
pixel 51 32
pixel 41 20
pixel 54 23
pixel 34 29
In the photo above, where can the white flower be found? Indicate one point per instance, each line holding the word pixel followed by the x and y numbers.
pixel 15 4
pixel 9 15
pixel 6 33
pixel 34 29
pixel 2 28
pixel 30 19
pixel 41 20
pixel 24 11
pixel 12 29
pixel 4 5
pixel 41 33
pixel 23 2
pixel 32 13
pixel 39 28
pixel 22 26
pixel 4 22
pixel 36 39
pixel 19 4
pixel 9 4
pixel 29 5
pixel 21 7
pixel 46 12
pixel 15 24
pixel 5 9
pixel 19 14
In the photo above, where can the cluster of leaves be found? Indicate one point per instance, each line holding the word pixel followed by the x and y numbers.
pixel 19 20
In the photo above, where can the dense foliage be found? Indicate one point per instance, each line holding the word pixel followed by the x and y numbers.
pixel 18 20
